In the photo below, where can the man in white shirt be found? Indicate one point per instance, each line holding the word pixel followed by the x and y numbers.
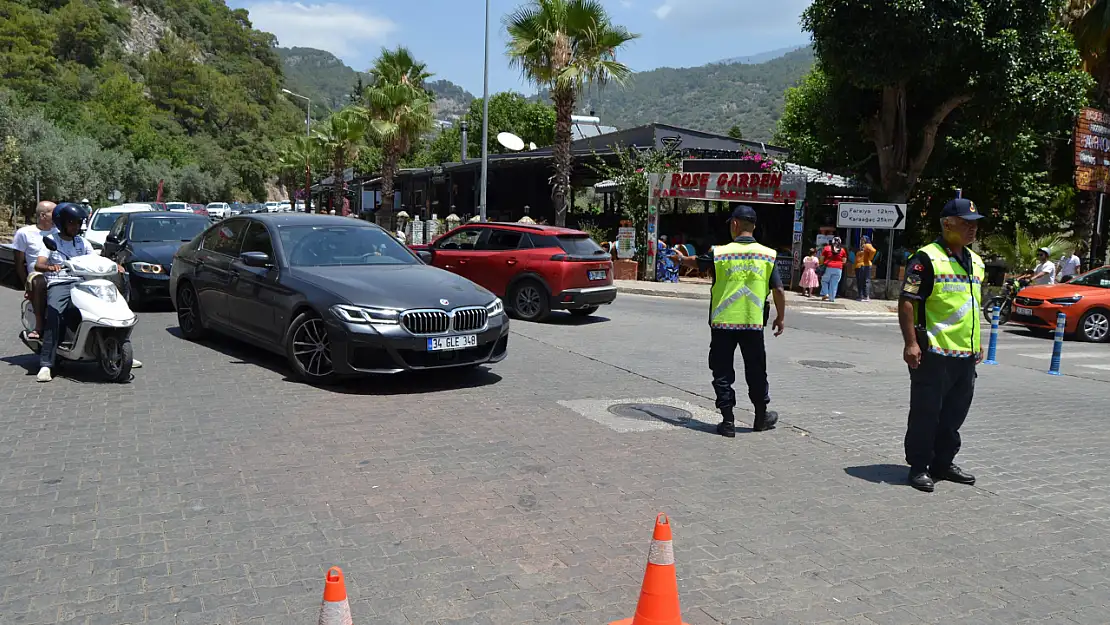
pixel 27 244
pixel 1069 266
pixel 1045 273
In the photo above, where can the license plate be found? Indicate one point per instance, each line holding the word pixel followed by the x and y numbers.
pixel 447 343
pixel 1023 311
pixel 597 275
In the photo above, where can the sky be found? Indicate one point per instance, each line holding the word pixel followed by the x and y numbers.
pixel 448 34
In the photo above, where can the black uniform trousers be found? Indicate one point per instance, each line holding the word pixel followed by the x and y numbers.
pixel 941 390
pixel 722 356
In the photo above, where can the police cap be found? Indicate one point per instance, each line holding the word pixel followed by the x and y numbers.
pixel 962 208
pixel 744 213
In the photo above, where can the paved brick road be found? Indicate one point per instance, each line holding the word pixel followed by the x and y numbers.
pixel 213 490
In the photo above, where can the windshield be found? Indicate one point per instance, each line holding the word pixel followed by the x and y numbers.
pixel 327 246
pixel 580 246
pixel 103 221
pixel 150 230
pixel 1097 278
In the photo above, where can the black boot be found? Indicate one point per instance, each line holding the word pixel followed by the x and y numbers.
pixel 727 426
pixel 764 419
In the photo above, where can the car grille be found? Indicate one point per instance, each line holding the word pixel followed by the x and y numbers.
pixel 426 321
pixel 1028 301
pixel 469 319
pixel 439 321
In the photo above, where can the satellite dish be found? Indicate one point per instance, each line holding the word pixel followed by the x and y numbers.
pixel 532 145
pixel 510 141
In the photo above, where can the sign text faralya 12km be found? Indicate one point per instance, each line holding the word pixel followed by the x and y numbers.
pixel 871 215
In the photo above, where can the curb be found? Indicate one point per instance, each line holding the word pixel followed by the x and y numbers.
pixel 705 297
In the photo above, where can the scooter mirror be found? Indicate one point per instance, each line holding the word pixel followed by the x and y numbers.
pixel 50 244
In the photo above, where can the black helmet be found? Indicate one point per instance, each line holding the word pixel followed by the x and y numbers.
pixel 67 212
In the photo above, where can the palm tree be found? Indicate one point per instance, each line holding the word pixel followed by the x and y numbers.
pixel 397 114
pixel 340 140
pixel 565 45
pixel 398 67
pixel 296 159
pixel 1020 251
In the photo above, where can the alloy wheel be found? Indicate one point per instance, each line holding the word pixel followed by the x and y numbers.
pixel 312 348
pixel 1096 326
pixel 528 301
pixel 187 310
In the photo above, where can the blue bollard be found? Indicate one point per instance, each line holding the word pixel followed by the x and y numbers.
pixel 1057 344
pixel 993 349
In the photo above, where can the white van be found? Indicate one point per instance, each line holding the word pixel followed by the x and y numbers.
pixel 104 218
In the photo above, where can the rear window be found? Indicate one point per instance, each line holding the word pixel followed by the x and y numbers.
pixel 580 245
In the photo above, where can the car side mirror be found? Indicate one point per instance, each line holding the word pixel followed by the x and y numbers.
pixel 425 256
pixel 1066 279
pixel 111 238
pixel 49 244
pixel 256 259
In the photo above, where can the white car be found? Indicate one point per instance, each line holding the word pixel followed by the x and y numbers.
pixel 218 210
pixel 178 207
pixel 273 207
pixel 103 220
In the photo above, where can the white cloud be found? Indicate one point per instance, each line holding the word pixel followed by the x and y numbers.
pixel 780 18
pixel 345 31
pixel 663 10
pixel 626 4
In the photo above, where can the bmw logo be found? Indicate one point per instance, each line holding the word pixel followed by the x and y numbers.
pixel 444 302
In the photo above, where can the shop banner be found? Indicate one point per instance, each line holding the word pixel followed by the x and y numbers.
pixel 768 187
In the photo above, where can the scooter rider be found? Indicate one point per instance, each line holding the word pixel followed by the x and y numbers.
pixel 67 219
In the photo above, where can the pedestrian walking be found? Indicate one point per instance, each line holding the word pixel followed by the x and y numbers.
pixel 743 276
pixel 832 257
pixel 809 280
pixel 1069 265
pixel 938 312
pixel 862 266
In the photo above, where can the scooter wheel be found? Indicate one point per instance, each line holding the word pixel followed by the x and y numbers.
pixel 116 359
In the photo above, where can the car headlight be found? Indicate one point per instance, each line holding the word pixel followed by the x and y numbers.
pixel 496 307
pixel 366 314
pixel 1066 301
pixel 150 268
pixel 106 292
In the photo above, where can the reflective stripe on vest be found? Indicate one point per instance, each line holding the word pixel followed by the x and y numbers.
pixel 741 284
pixel 952 309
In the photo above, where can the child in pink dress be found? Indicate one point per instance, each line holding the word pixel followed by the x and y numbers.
pixel 809 279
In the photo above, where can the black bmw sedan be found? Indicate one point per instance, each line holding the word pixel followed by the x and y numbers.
pixel 144 243
pixel 337 296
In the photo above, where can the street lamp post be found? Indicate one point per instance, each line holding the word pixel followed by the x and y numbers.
pixel 485 123
pixel 307 160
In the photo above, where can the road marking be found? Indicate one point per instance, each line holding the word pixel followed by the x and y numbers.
pixel 888 324
pixel 1068 355
pixel 1099 367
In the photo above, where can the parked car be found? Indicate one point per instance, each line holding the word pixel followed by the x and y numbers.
pixel 103 220
pixel 199 209
pixel 178 207
pixel 159 206
pixel 534 268
pixel 218 210
pixel 335 296
pixel 1085 300
pixel 284 207
pixel 272 207
pixel 144 243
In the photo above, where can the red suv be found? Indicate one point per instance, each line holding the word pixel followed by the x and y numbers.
pixel 534 269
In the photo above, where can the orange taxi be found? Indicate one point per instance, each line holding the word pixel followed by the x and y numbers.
pixel 1085 300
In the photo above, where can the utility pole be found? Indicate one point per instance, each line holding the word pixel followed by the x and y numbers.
pixel 307 160
pixel 485 124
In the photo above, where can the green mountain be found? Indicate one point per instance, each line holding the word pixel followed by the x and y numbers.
pixel 103 95
pixel 712 98
pixel 320 75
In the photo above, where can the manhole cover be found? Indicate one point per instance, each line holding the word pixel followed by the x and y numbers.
pixel 650 412
pixel 826 364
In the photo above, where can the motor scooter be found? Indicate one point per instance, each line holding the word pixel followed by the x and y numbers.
pixel 97 326
pixel 1005 301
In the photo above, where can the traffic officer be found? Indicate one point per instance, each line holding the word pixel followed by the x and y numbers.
pixel 938 312
pixel 743 276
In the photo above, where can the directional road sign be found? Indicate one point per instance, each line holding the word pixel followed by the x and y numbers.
pixel 879 216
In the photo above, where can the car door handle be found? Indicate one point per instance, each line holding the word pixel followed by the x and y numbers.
pixel 511 261
pixel 463 261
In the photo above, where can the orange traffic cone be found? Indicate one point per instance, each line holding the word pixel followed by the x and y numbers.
pixel 658 603
pixel 335 610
